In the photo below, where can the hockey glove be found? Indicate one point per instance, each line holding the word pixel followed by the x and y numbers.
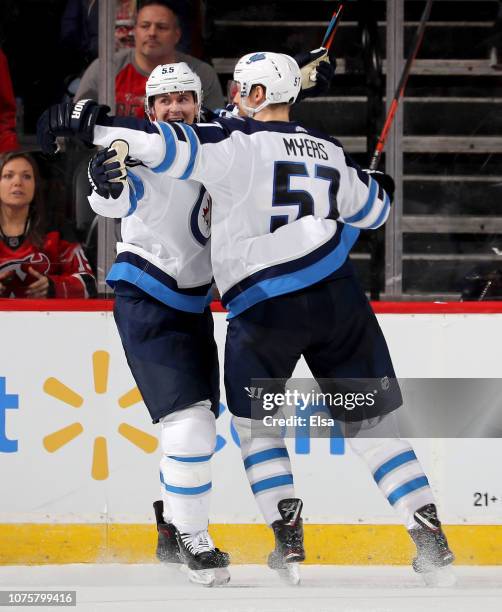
pixel 316 72
pixel 68 119
pixel 107 171
pixel 385 181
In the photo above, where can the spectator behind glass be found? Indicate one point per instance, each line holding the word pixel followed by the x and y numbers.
pixel 157 33
pixel 80 27
pixel 34 262
pixel 8 137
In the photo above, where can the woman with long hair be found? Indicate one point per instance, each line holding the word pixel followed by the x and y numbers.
pixel 35 262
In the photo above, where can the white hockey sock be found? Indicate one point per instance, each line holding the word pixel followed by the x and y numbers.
pixel 268 468
pixel 397 472
pixel 188 440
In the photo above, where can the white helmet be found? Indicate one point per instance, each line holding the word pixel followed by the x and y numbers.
pixel 277 72
pixel 168 78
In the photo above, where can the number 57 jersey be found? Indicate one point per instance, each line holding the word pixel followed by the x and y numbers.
pixel 288 203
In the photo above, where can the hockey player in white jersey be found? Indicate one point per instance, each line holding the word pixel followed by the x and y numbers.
pixel 288 207
pixel 162 280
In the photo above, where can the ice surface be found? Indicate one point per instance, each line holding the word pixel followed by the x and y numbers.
pixel 255 588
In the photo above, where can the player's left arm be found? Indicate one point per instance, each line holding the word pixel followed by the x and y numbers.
pixel 364 197
pixel 317 71
pixel 176 149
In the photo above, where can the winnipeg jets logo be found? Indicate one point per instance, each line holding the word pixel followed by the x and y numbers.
pixel 206 217
pixel 19 267
pixel 200 218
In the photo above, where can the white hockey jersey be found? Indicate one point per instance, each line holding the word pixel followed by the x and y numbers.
pixel 165 248
pixel 287 202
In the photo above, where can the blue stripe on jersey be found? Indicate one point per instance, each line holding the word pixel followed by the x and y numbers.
pixel 366 209
pixel 170 144
pixel 382 214
pixel 271 483
pixel 394 463
pixel 179 132
pixel 408 487
pixel 287 283
pixel 286 267
pixel 194 147
pixel 156 283
pixel 191 459
pixel 126 272
pixel 136 193
pixel 146 266
pixel 266 455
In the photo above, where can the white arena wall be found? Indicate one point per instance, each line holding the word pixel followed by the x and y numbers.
pixel 79 455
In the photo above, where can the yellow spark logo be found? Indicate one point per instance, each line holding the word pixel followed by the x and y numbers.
pixel 54 441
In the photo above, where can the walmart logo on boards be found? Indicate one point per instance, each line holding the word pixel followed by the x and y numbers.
pixel 99 468
pixel 8 401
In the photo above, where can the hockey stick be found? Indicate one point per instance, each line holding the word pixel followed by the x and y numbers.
pixel 417 42
pixel 332 27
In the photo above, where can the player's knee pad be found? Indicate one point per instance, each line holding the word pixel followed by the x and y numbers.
pixel 189 433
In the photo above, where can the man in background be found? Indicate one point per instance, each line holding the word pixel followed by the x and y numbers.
pixel 157 32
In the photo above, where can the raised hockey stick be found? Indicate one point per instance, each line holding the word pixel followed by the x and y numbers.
pixel 417 42
pixel 332 27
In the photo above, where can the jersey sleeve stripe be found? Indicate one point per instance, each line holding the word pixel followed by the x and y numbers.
pixel 383 214
pixel 194 147
pixel 179 132
pixel 366 209
pixel 170 144
pixel 136 191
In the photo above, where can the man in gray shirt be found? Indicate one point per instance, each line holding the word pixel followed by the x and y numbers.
pixel 157 32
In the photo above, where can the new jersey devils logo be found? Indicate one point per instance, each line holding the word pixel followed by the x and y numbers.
pixel 38 261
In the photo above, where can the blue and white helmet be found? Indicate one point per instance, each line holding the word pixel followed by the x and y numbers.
pixel 169 78
pixel 277 72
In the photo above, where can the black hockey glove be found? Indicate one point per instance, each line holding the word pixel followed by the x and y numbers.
pixel 385 181
pixel 317 71
pixel 107 171
pixel 68 119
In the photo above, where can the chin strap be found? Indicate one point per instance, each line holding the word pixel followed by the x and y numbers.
pixel 251 112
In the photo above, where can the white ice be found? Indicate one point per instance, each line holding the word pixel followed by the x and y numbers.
pixel 255 588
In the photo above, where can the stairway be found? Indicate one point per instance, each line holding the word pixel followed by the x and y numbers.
pixel 452 146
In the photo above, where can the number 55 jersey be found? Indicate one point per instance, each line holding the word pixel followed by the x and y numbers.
pixel 288 203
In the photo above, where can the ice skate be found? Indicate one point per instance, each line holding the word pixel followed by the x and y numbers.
pixel 168 550
pixel 288 532
pixel 434 557
pixel 203 563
